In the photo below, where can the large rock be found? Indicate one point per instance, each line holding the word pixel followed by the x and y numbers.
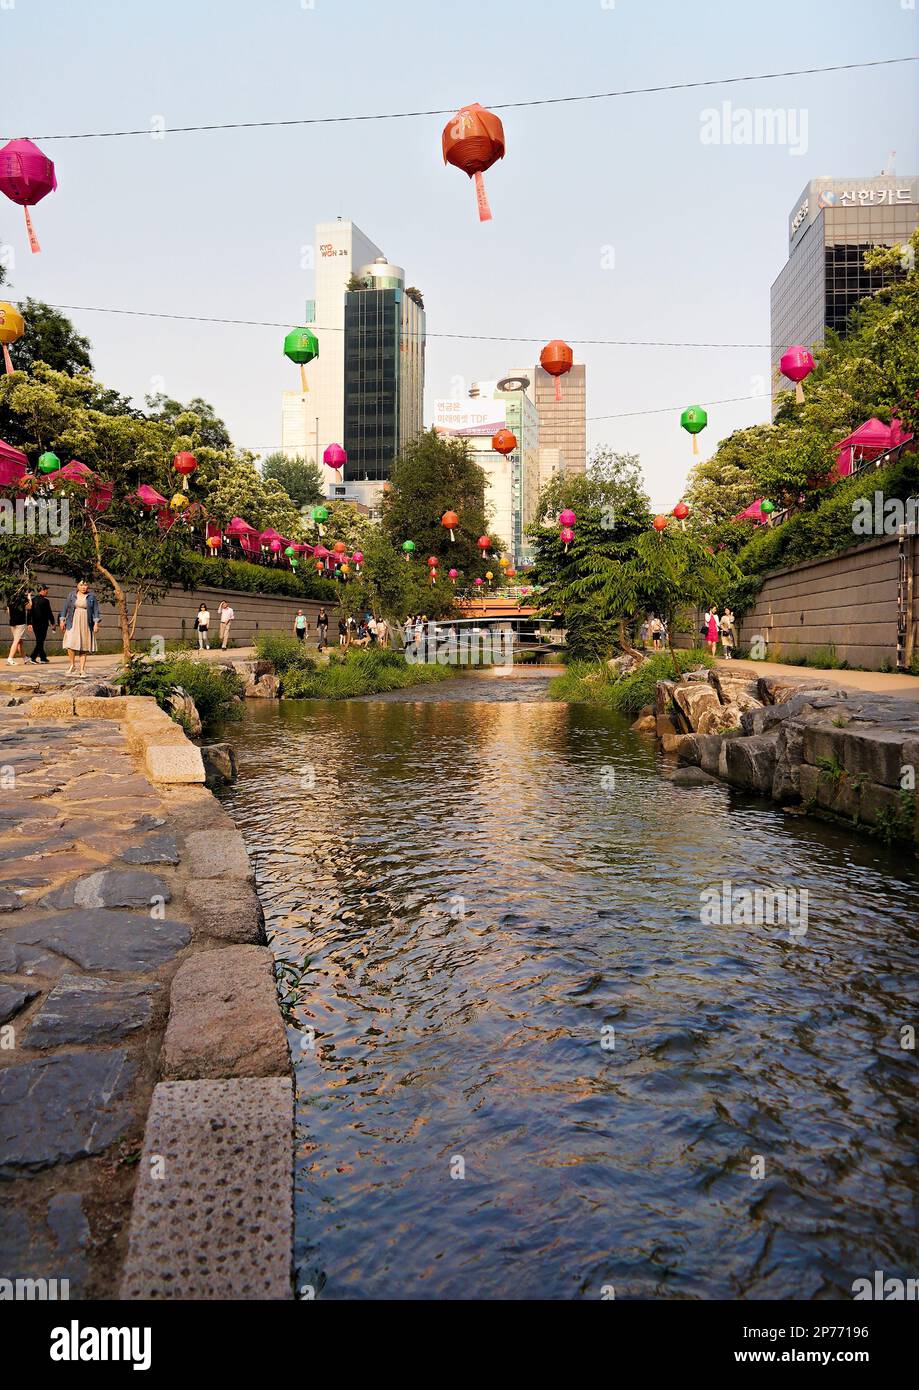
pixel 174 763
pixel 692 777
pixel 155 849
pixel 619 665
pixel 693 699
pixel 214 1219
pixel 893 812
pixel 220 766
pixel 184 710
pixel 749 763
pixel 56 1109
pixel 731 684
pixel 13 999
pixel 111 888
pixel 663 697
pixel 876 754
pixel 219 854
pixel 719 719
pixel 789 756
pixel 224 1018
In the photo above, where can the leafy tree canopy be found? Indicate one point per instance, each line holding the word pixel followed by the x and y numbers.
pixel 300 478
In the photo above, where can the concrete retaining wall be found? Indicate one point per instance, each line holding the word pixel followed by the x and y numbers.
pixel 848 600
pixel 173 617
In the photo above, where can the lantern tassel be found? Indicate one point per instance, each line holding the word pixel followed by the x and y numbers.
pixel 33 239
pixel 695 444
pixel 799 393
pixel 482 199
pixel 185 484
pixel 452 537
pixel 7 360
pixel 303 381
pixel 558 389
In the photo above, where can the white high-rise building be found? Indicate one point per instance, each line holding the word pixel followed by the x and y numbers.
pixel 311 422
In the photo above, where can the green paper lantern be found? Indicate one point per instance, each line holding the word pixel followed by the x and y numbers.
pixel 301 346
pixel 49 463
pixel 693 421
pixel 408 547
pixel 290 552
pixel 320 514
pixel 767 506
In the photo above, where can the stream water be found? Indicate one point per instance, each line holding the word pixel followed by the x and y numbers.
pixel 536 1070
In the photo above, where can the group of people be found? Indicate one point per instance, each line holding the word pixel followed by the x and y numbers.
pixel 225 617
pixel 715 628
pixel 654 629
pixel 79 620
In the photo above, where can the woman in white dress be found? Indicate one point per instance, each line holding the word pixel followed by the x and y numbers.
pixel 79 624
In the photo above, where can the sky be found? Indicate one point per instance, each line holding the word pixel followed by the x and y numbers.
pixel 612 218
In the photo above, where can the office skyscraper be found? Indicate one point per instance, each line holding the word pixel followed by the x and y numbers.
pixel 831 226
pixel 562 424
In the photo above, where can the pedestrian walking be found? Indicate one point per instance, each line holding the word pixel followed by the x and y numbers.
pixel 202 624
pixel 42 617
pixel 322 627
pixel 225 616
pixel 728 634
pixel 301 625
pixel 342 631
pixel 18 612
pixel 79 624
pixel 712 629
pixel 657 632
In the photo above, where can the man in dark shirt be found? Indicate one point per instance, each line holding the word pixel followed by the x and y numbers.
pixel 42 617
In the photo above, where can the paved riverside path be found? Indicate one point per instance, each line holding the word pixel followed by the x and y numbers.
pixel 897 683
pixel 132 969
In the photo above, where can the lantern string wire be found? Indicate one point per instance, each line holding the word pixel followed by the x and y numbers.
pixel 493 106
pixel 317 328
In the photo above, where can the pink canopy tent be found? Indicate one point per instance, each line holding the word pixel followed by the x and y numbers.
pixel 148 496
pixel 73 472
pixel 13 464
pixel 99 498
pixel 753 513
pixel 868 442
pixel 248 536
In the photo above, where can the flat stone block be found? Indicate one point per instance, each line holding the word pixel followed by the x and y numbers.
pixel 13 999
pixel 100 707
pixel 97 939
pixel 229 911
pixel 219 854
pixel 86 1009
pixel 875 753
pixel 823 743
pixel 50 707
pixel 224 1019
pixel 174 762
pixel 110 888
pixel 54 1109
pixel 213 1218
pixel 156 849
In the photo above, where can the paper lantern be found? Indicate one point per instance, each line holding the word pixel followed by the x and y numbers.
pixel 26 176
pixel 184 464
pixel 290 552
pixel 504 442
pixel 659 523
pixel 178 501
pixel 483 543
pixel 320 514
pixel 796 364
pixel 473 140
pixel 478 583
pixel 12 327
pixel 767 506
pixel 301 346
pixel 212 542
pixel 693 420
pixel 319 566
pixel 450 521
pixel 339 548
pixel 567 517
pixel 681 511
pixel 358 558
pixel 489 576
pixel 335 457
pixel 407 549
pixel 433 562
pixel 556 358
pixel 509 573
pixel 566 535
pixel 453 575
pixel 345 569
pixel 48 463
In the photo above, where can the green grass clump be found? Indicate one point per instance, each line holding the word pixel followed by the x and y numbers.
pixel 594 683
pixel 364 671
pixel 214 689
pixel 284 651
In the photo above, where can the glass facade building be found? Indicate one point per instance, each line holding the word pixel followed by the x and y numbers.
pixel 831 226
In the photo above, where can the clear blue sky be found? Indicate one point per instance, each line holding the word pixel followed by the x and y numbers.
pixel 215 223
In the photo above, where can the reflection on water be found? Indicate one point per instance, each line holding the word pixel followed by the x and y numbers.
pixel 476 907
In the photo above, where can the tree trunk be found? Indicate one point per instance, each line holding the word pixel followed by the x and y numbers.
pixel 121 601
pixel 624 642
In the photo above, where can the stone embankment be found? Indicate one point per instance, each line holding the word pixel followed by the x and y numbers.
pixel 808 743
pixel 146 1105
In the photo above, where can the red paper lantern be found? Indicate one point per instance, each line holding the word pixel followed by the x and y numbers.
pixel 184 464
pixel 26 176
pixel 483 543
pixel 433 562
pixel 567 536
pixel 504 442
pixel 472 140
pixel 449 521
pixel 681 511
pixel 556 358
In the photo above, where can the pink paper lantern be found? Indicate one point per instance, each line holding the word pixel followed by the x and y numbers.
pixel 26 176
pixel 453 574
pixel 335 457
pixel 478 583
pixel 567 535
pixel 358 558
pixel 797 363
pixel 567 518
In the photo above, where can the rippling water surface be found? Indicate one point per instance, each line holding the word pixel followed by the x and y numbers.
pixel 477 905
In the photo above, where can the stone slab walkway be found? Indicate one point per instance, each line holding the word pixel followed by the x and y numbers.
pixel 113 887
pixel 896 683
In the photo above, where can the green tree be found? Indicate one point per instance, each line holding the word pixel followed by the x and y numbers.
pixel 300 478
pixel 198 421
pixel 237 488
pixel 50 337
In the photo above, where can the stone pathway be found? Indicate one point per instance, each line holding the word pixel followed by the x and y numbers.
pixel 25 679
pixel 111 886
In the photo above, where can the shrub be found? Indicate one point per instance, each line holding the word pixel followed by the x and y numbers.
pixel 365 671
pixel 629 693
pixel 283 651
pixel 213 688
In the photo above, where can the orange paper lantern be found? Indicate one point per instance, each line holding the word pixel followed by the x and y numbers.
pixel 556 358
pixel 504 441
pixel 472 140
